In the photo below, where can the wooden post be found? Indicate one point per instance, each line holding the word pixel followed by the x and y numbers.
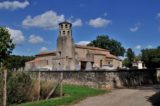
pixel 61 85
pixel 39 85
pixel 5 88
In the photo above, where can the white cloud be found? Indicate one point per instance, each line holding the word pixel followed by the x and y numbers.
pixel 83 42
pixel 33 39
pixel 16 35
pixel 99 22
pixel 77 23
pixel 49 19
pixel 43 49
pixel 138 47
pixel 135 28
pixel 13 5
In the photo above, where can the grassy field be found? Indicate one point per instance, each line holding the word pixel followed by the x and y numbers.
pixel 73 94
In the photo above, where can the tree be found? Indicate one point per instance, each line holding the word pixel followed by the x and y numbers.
pixel 6 44
pixel 6 47
pixel 158 47
pixel 17 62
pixel 112 45
pixel 130 58
pixel 151 57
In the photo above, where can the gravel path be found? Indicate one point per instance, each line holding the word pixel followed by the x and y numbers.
pixel 122 97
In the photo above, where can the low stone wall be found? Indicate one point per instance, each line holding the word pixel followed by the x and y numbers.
pixel 102 79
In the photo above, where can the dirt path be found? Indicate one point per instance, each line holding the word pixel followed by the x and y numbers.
pixel 122 97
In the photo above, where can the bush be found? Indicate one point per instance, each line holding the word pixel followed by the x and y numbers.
pixel 18 86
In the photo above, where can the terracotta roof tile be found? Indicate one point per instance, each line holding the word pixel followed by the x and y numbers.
pixel 89 47
pixel 46 53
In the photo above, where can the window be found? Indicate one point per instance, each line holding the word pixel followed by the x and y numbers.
pixel 63 32
pixel 59 53
pixel 62 26
pixel 66 26
pixel 68 32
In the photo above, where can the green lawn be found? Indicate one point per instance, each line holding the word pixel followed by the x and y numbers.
pixel 73 94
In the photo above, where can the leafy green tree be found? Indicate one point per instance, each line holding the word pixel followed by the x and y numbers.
pixel 130 58
pixel 158 47
pixel 6 44
pixel 151 57
pixel 112 45
pixel 16 62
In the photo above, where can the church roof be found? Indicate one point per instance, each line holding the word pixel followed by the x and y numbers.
pixel 89 47
pixel 46 53
pixel 34 61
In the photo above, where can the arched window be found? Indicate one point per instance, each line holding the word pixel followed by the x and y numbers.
pixel 63 32
pixel 68 32
pixel 62 26
pixel 66 26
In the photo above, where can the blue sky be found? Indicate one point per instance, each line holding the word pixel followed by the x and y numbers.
pixel 33 23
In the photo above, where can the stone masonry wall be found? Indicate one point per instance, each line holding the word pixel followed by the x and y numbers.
pixel 102 79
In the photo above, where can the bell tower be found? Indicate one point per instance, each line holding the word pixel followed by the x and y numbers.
pixel 65 44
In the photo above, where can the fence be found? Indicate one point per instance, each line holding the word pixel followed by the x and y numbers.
pixel 20 88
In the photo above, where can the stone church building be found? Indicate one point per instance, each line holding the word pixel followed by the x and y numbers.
pixel 70 56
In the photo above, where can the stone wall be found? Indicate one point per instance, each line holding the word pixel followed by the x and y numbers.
pixel 102 79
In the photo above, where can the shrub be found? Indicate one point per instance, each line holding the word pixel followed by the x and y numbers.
pixel 18 86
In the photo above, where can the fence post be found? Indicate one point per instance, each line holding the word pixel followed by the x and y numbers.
pixel 5 88
pixel 39 85
pixel 61 85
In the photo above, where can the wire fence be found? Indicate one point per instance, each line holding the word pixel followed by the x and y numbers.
pixel 21 88
pixel 1 87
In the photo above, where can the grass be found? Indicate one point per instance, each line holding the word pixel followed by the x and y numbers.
pixel 73 94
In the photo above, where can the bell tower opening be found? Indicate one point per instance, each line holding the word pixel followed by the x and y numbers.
pixel 65 29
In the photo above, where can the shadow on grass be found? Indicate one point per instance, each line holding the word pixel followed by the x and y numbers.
pixel 155 99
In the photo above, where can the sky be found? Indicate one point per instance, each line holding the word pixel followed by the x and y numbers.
pixel 33 23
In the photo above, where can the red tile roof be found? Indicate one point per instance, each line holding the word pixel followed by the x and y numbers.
pixel 89 47
pixel 46 53
pixel 34 61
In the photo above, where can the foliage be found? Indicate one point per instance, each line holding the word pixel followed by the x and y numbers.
pixel 18 85
pixel 130 58
pixel 14 62
pixel 6 44
pixel 73 94
pixel 112 45
pixel 151 57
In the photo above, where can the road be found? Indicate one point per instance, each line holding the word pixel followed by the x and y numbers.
pixel 122 97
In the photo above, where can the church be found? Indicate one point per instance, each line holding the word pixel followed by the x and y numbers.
pixel 69 56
